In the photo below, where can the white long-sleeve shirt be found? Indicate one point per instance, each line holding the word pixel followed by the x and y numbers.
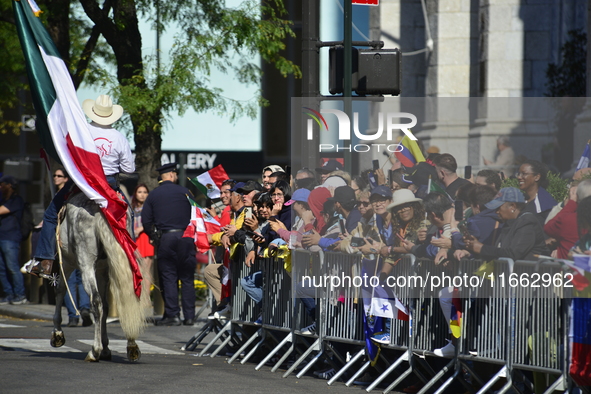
pixel 113 149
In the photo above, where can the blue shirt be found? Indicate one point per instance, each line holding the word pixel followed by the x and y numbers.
pixel 10 223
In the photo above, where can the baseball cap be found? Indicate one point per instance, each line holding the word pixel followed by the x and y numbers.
pixel 300 195
pixel 250 186
pixel 273 168
pixel 381 190
pixel 343 194
pixel 9 179
pixel 419 174
pixel 166 168
pixel 237 186
pixel 330 166
pixel 506 194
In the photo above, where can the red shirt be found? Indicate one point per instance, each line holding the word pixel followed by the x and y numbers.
pixel 563 227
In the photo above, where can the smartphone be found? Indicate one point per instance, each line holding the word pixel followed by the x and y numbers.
pixel 459 214
pixel 252 233
pixel 357 242
pixel 248 212
pixel 372 180
pixel 502 175
pixel 376 164
pixel 288 171
pixel 342 226
pixel 468 172
pixel 390 177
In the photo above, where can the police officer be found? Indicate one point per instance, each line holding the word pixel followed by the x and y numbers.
pixel 168 211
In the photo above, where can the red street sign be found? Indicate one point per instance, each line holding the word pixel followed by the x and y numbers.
pixel 366 2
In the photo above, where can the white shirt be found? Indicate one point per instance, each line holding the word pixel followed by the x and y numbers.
pixel 113 149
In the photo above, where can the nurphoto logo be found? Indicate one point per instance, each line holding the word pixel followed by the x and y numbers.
pixel 391 120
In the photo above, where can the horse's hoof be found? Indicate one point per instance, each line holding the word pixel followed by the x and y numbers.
pixel 133 353
pixel 91 357
pixel 57 339
pixel 105 355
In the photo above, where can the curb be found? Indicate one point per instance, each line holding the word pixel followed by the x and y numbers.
pixel 22 313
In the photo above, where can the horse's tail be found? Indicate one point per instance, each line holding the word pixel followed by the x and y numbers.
pixel 131 309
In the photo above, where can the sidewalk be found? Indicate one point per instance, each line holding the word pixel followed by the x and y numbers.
pixel 31 311
pixel 45 312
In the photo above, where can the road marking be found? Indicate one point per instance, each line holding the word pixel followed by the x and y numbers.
pixel 120 346
pixel 9 326
pixel 35 345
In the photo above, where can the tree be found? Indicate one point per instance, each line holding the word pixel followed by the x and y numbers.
pixel 212 36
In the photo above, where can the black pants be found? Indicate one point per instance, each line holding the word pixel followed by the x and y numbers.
pixel 176 261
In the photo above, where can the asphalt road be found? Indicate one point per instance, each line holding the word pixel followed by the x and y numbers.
pixel 29 365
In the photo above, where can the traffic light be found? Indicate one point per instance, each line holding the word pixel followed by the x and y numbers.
pixel 375 71
pixel 336 62
pixel 379 72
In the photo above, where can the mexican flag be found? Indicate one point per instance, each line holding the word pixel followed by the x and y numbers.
pixel 209 182
pixel 62 126
pixel 201 224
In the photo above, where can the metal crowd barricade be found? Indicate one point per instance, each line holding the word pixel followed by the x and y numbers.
pixel 243 307
pixel 512 325
pixel 278 306
pixel 343 309
pixel 399 329
pixel 305 264
pixel 540 322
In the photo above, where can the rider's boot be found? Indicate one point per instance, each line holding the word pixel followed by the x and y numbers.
pixel 41 268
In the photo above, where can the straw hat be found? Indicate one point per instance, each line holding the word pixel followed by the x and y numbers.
pixel 403 196
pixel 102 110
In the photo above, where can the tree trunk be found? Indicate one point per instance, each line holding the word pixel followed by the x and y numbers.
pixel 123 35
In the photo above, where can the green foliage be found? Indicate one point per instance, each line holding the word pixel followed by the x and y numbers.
pixel 557 187
pixel 568 78
pixel 510 182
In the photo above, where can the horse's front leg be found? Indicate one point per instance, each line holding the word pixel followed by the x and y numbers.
pixel 102 278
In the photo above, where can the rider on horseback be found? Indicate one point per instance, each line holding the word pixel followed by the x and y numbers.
pixel 116 157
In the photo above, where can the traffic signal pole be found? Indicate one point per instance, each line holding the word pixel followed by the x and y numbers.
pixel 348 71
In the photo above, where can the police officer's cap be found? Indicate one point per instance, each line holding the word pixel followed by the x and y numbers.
pixel 166 168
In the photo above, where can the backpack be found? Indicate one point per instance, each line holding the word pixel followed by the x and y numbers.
pixel 27 221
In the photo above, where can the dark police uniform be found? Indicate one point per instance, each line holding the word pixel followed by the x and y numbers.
pixel 168 209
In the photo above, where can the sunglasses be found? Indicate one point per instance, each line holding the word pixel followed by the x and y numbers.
pixel 58 176
pixel 364 203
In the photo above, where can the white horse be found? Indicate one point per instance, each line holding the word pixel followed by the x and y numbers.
pixel 88 244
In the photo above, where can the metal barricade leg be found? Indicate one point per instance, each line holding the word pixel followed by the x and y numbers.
pixel 310 364
pixel 223 331
pixel 244 346
pixel 200 336
pixel 437 376
pixel 358 373
pixel 346 366
pixel 388 371
pixel 260 333
pixel 222 345
pixel 503 373
pixel 274 351
pixel 283 358
pixel 315 346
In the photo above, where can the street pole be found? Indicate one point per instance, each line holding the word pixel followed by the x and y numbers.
pixel 347 71
pixel 308 155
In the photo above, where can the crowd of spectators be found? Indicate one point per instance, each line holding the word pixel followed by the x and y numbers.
pixel 383 217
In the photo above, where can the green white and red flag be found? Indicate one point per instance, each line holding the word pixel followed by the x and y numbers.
pixel 201 224
pixel 62 127
pixel 210 182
